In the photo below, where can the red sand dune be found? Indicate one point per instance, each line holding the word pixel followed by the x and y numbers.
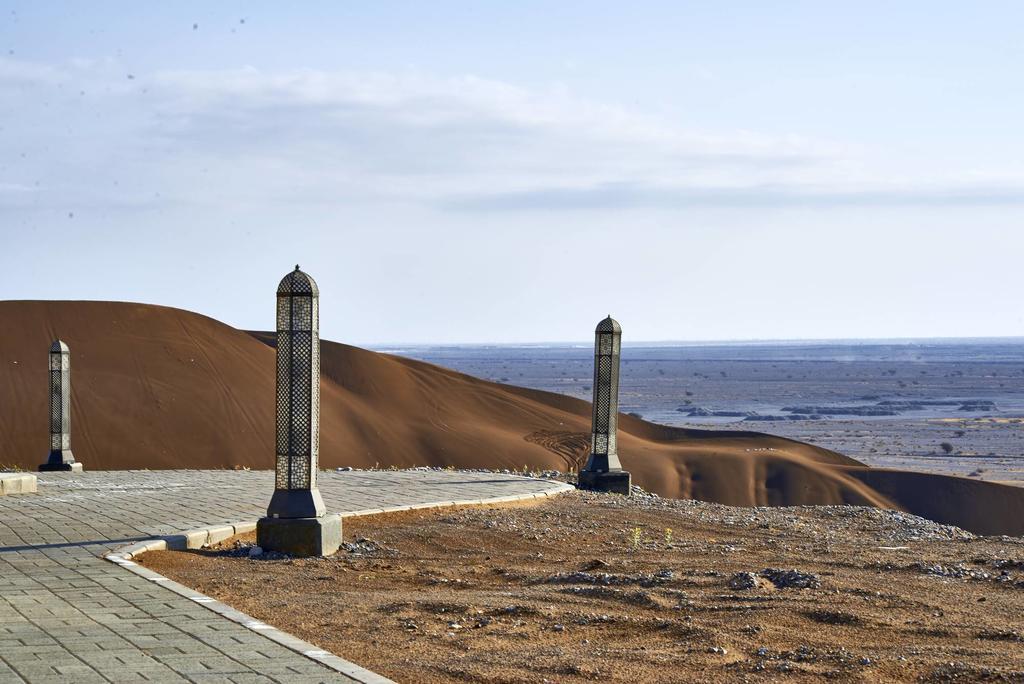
pixel 156 387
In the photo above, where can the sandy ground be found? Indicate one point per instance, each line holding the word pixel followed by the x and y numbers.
pixel 600 588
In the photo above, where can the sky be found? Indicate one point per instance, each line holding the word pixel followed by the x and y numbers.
pixel 457 172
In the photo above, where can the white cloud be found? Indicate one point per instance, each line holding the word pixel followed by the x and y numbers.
pixel 416 136
pixel 463 142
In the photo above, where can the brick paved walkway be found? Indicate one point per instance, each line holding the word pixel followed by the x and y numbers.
pixel 68 615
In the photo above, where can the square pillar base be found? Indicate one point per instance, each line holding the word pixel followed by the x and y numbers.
pixel 300 537
pixel 615 481
pixel 61 459
pixel 75 467
pixel 18 483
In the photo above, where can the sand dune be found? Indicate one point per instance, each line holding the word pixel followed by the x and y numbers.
pixel 156 387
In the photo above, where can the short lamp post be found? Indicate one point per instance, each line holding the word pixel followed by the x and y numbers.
pixel 296 521
pixel 60 457
pixel 603 472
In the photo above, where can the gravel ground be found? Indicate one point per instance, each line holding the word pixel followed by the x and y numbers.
pixel 589 587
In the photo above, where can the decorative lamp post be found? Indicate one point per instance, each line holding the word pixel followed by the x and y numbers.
pixel 603 472
pixel 61 457
pixel 296 521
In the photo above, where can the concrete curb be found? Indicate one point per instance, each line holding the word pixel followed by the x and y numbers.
pixel 196 539
pixel 18 483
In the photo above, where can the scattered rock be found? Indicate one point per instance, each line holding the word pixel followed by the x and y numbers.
pixel 638 598
pixel 642 579
pixel 364 546
pixel 744 580
pixel 954 571
pixel 791 579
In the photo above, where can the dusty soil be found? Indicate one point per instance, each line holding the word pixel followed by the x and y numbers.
pixel 588 587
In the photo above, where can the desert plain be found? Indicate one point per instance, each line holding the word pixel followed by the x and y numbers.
pixel 967 394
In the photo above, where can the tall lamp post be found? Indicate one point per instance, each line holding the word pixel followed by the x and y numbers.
pixel 296 521
pixel 60 457
pixel 603 472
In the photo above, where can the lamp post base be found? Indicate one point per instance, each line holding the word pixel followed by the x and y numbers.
pixel 61 460
pixel 615 481
pixel 302 537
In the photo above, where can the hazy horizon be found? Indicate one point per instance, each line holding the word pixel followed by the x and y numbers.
pixel 711 343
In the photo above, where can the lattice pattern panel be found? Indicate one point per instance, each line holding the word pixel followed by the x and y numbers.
pixel 283 401
pixel 60 397
pixel 613 394
pixel 602 392
pixel 298 283
pixel 314 384
pixel 300 431
pixel 607 343
pixel 65 403
pixel 298 382
pixel 56 402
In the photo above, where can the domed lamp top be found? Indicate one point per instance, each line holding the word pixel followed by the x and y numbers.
pixel 608 325
pixel 298 283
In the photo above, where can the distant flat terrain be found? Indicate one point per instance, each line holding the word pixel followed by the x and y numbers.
pixel 937 391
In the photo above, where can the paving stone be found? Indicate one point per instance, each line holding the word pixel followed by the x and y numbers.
pixel 67 614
